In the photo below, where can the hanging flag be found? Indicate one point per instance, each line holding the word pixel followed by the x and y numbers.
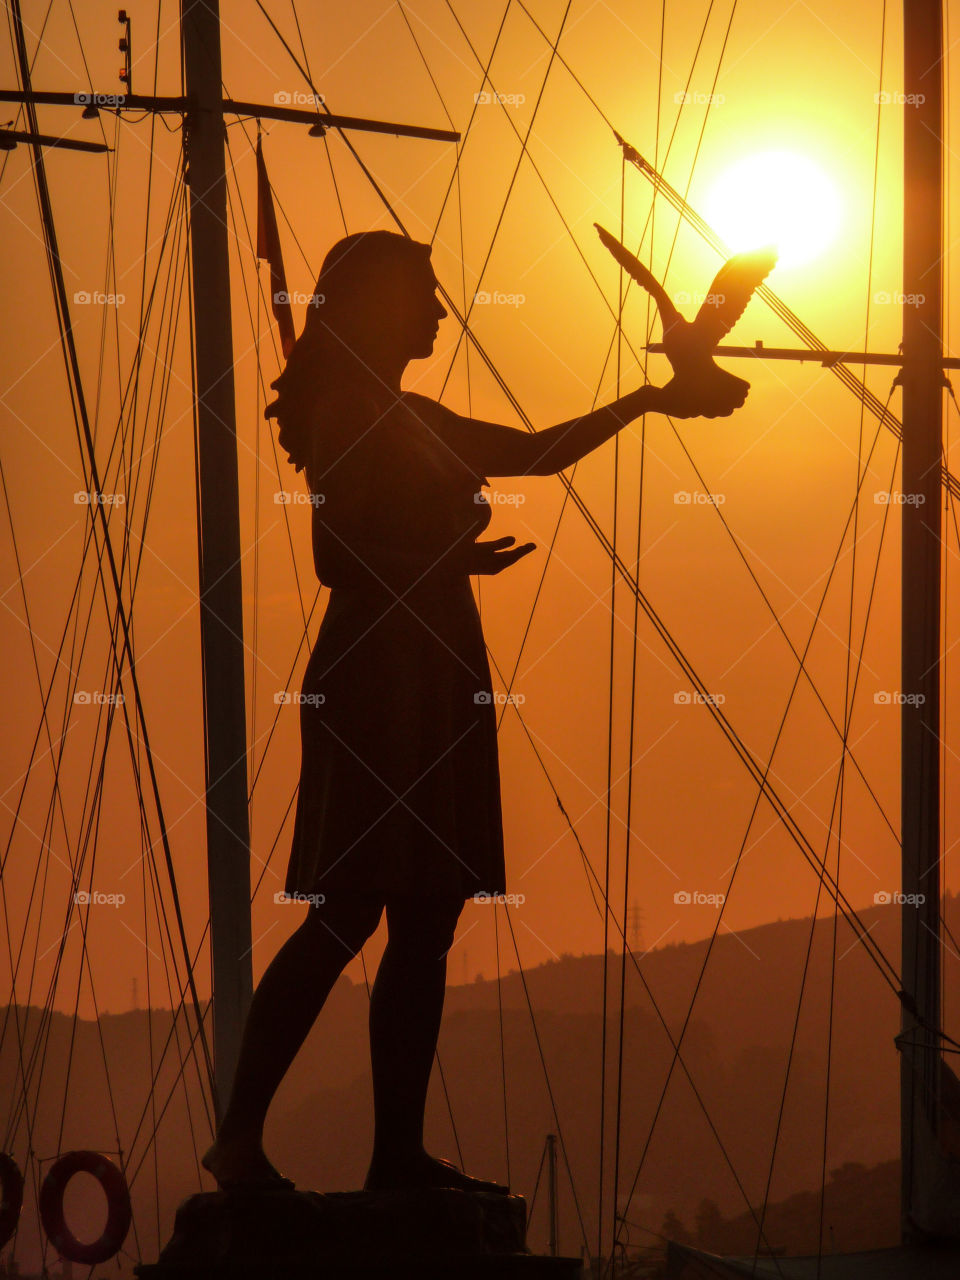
pixel 268 247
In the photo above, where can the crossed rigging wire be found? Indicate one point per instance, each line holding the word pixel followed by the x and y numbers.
pixel 171 329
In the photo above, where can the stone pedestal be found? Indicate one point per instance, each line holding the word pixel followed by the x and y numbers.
pixel 356 1235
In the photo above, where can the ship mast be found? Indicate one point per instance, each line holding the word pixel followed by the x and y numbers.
pixel 921 1066
pixel 221 585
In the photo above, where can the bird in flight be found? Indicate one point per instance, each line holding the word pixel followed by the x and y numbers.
pixel 689 346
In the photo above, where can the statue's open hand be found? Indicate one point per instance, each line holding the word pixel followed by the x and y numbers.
pixel 495 556
pixel 687 398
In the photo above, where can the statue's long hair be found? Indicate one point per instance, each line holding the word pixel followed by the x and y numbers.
pixel 318 384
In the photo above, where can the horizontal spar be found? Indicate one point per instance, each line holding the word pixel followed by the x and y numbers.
pixel 260 111
pixel 10 138
pixel 87 98
pixel 91 101
pixel 812 355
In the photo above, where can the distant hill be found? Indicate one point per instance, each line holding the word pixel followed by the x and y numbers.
pixel 861 1209
pixel 735 1049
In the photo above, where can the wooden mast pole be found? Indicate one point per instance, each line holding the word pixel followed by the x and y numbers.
pixel 922 380
pixel 221 601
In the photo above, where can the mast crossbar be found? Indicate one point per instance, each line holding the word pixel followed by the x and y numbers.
pixel 812 355
pixel 91 101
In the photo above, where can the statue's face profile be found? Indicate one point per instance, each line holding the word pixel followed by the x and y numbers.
pixel 379 302
pixel 426 312
pixel 404 314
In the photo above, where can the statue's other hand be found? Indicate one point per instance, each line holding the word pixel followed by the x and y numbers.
pixel 495 556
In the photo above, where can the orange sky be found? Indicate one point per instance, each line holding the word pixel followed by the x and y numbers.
pixel 786 465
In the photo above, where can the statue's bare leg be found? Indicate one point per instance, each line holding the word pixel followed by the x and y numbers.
pixel 285 1005
pixel 406 1005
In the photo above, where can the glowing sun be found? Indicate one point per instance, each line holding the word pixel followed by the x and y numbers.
pixel 778 198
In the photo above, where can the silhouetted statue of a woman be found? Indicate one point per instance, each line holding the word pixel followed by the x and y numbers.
pixel 399 800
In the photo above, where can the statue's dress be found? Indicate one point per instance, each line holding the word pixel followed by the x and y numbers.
pixel 399 784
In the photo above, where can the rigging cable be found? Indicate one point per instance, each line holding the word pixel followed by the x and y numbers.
pixel 74 381
pixel 634 655
pixel 135 766
pixel 608 798
pixel 848 696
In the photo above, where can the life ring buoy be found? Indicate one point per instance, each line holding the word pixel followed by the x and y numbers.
pixel 11 1196
pixel 119 1212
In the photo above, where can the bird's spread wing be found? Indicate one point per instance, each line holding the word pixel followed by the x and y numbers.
pixel 730 292
pixel 634 267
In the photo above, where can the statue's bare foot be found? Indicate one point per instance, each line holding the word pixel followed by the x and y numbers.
pixel 424 1171
pixel 241 1163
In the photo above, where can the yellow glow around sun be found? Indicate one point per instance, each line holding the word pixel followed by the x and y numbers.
pixel 778 198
